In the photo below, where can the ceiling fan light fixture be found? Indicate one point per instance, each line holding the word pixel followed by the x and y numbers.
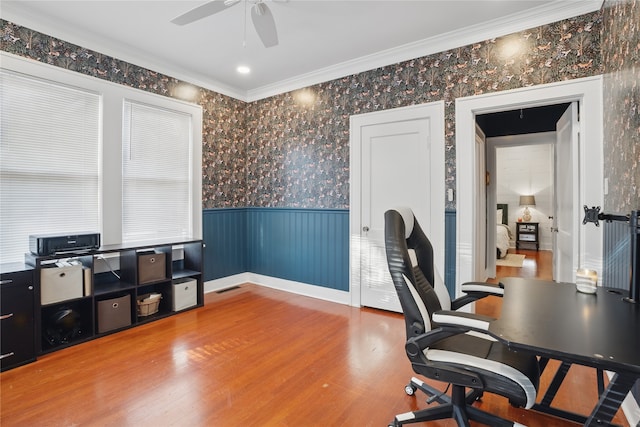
pixel 261 17
pixel 260 8
pixel 243 69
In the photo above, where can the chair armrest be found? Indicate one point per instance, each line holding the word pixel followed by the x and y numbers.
pixel 475 291
pixel 415 345
pixel 483 287
pixel 466 321
pixel 449 323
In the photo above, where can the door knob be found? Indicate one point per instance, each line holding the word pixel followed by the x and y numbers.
pixel 365 228
pixel 554 230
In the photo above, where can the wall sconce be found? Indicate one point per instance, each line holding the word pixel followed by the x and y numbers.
pixel 527 201
pixel 305 97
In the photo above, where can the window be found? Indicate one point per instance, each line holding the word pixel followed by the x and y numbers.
pixel 49 161
pixel 79 154
pixel 156 167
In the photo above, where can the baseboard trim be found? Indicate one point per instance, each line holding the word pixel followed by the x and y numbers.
pixel 299 288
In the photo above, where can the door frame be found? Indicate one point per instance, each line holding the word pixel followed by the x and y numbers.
pixel 588 92
pixel 435 112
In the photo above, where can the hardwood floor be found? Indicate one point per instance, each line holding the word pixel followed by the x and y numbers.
pixel 251 356
pixel 536 265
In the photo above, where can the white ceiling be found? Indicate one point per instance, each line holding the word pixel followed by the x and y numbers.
pixel 319 40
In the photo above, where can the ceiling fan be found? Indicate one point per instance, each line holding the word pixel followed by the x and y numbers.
pixel 260 16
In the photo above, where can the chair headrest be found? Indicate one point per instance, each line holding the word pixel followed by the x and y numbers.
pixel 408 218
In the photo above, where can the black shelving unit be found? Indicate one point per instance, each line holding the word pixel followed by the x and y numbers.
pixel 111 282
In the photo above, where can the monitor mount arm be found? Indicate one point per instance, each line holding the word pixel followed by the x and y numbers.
pixel 594 215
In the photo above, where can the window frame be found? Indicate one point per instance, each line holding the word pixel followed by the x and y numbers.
pixel 163 132
pixel 113 97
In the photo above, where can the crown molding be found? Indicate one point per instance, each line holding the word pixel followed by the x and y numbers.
pixel 535 17
pixel 545 14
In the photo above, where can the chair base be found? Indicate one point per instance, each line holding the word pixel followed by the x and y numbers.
pixel 456 407
pixel 435 395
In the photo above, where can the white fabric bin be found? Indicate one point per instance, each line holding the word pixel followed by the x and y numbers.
pixel 61 284
pixel 184 293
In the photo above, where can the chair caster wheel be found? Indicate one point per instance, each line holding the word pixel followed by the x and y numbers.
pixel 410 389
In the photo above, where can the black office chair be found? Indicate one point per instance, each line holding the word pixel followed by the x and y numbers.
pixel 450 346
pixel 473 291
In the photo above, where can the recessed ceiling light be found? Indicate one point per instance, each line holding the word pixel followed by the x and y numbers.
pixel 243 69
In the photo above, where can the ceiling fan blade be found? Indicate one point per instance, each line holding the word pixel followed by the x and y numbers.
pixel 199 12
pixel 264 24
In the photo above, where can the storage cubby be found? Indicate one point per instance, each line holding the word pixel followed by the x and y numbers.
pixel 153 265
pixel 189 265
pixel 108 278
pixel 95 293
pixel 164 307
pixel 66 323
pixel 114 311
pixel 184 293
pixel 64 278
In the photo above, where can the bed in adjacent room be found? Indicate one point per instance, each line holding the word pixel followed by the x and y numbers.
pixel 503 234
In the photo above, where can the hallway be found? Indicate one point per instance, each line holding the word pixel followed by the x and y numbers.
pixel 537 265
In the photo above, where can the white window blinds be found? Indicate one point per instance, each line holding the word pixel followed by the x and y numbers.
pixel 49 161
pixel 156 171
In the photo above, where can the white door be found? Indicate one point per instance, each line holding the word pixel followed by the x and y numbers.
pixel 566 200
pixel 396 169
pixel 394 156
pixel 484 216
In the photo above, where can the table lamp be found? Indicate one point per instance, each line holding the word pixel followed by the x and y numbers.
pixel 527 201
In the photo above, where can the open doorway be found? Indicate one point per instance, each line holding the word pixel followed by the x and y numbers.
pixel 519 150
pixel 471 221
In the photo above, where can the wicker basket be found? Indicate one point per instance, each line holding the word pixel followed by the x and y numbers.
pixel 148 304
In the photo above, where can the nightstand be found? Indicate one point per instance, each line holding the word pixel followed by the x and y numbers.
pixel 527 232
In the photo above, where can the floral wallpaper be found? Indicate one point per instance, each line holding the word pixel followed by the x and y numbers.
pixel 224 180
pixel 292 150
pixel 297 143
pixel 621 60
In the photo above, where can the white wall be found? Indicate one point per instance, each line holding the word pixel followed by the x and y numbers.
pixel 522 170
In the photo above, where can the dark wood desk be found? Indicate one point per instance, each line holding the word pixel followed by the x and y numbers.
pixel 555 321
